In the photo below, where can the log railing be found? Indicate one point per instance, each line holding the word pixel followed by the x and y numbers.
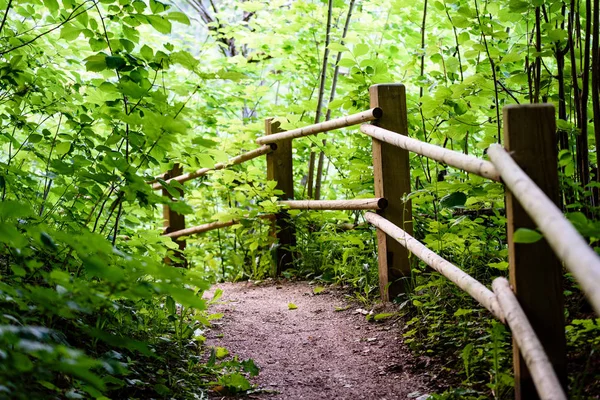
pixel 533 307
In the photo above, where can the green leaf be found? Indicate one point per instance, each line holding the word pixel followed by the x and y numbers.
pixel 179 17
pixel 292 306
pixel 52 5
pixel 235 382
pixel 318 289
pixel 96 63
pixel 250 367
pixel 70 32
pixel 162 389
pixel 159 23
pixel 147 52
pixel 524 235
pixel 171 306
pixel 502 265
pixel 48 241
pixel 462 311
pixel 35 138
pixel 185 59
pixel 206 143
pixel 63 148
pixel 337 47
pixel 157 7
pixel 360 50
pixel 454 200
pixel 216 296
pixel 347 62
pixel 382 316
pixel 115 62
pixel 221 352
pixel 15 209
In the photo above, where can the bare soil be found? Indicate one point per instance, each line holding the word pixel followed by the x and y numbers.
pixel 314 351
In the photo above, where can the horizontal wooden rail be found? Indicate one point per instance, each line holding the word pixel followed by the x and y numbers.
pixel 560 234
pixel 209 227
pixel 330 125
pixel 201 228
pixel 232 161
pixel 378 203
pixel 466 282
pixel 546 382
pixel 453 158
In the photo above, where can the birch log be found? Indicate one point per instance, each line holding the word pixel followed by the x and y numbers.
pixel 453 158
pixel 567 243
pixel 232 161
pixel 210 226
pixel 200 228
pixel 466 282
pixel 377 203
pixel 542 373
pixel 330 125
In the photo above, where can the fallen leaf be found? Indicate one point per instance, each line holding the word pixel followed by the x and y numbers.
pixel 221 352
pixel 318 289
pixel 380 317
pixel 292 306
pixel 342 308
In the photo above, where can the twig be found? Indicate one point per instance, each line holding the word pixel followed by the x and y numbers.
pixel 69 18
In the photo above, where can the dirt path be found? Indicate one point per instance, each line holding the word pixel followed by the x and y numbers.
pixel 314 351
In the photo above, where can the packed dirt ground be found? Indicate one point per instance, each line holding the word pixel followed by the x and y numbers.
pixel 323 349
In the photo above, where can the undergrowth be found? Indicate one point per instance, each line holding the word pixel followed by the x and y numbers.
pixel 467 352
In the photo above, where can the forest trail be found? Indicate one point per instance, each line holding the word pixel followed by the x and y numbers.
pixel 314 351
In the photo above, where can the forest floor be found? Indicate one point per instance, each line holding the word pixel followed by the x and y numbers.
pixel 323 349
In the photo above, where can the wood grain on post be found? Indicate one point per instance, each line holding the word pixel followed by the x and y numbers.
pixel 535 271
pixel 280 169
pixel 392 180
pixel 546 382
pixel 174 221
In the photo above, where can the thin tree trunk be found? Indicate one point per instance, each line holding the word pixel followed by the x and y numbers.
pixel 493 67
pixel 331 97
pixel 311 165
pixel 585 90
pixel 596 86
pixel 538 59
pixel 575 82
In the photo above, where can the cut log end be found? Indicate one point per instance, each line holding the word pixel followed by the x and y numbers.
pixel 377 112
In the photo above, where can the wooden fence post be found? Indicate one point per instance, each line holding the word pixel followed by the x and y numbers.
pixel 392 181
pixel 280 169
pixel 174 221
pixel 535 272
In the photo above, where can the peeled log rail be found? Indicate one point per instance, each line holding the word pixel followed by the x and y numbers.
pixel 466 282
pixel 209 227
pixel 200 228
pixel 378 203
pixel 330 125
pixel 453 158
pixel 232 161
pixel 567 243
pixel 543 375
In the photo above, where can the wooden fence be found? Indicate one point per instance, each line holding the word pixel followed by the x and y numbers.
pixel 531 304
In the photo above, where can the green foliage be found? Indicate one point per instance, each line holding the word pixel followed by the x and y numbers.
pixel 88 307
pixel 97 98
